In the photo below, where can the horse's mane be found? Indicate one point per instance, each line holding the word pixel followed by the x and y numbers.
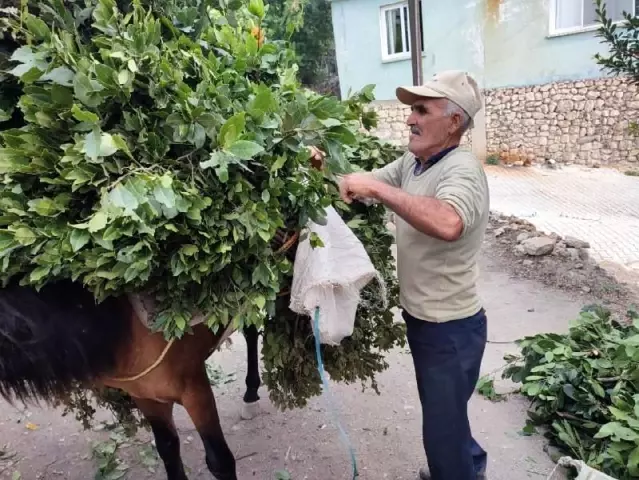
pixel 54 339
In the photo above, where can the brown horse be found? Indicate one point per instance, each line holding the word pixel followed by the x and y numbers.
pixel 55 338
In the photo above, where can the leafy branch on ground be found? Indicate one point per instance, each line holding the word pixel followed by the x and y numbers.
pixel 584 386
pixel 109 465
pixel 109 462
pixel 486 388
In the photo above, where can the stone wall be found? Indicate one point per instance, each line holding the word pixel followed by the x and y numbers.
pixel 391 124
pixel 569 122
pixel 583 122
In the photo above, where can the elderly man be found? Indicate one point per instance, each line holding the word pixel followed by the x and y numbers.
pixel 439 194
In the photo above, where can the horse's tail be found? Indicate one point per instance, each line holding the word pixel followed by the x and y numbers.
pixel 56 338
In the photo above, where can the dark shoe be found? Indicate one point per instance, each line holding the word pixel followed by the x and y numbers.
pixel 424 474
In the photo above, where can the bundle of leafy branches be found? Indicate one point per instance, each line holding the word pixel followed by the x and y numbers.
pixel 161 148
pixel 584 387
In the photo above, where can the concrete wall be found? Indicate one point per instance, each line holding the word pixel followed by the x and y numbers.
pixel 503 43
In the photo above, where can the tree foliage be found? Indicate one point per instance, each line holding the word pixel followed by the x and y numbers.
pixel 584 386
pixel 308 25
pixel 160 147
pixel 622 41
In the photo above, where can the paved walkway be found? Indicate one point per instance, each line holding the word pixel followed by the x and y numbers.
pixel 600 206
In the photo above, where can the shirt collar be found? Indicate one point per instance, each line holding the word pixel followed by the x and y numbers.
pixel 422 167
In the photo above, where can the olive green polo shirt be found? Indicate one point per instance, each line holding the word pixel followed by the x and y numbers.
pixel 438 279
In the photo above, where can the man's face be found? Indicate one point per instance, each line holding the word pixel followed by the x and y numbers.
pixel 430 127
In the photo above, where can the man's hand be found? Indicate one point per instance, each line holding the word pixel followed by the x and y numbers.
pixel 358 186
pixel 317 157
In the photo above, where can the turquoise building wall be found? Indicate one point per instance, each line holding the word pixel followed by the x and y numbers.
pixel 503 43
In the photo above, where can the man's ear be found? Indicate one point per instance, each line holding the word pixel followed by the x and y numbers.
pixel 456 122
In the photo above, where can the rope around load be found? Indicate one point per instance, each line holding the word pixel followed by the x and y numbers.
pixel 283 249
pixel 149 369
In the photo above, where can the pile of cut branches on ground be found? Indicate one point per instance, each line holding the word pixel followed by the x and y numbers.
pixel 160 147
pixel 584 387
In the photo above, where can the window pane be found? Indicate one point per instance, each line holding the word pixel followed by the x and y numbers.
pixel 623 6
pixel 393 30
pixel 590 11
pixel 626 6
pixel 568 13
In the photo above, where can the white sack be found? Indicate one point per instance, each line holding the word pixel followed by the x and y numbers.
pixel 331 277
pixel 584 471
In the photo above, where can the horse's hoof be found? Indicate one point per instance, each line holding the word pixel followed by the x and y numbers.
pixel 251 410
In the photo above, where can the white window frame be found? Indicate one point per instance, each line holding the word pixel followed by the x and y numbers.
pixel 559 32
pixel 394 57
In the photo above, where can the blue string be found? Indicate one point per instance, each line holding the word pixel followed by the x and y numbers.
pixel 336 420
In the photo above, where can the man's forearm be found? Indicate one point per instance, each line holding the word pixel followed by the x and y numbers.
pixel 426 214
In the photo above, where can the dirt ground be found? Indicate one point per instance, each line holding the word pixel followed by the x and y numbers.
pixel 521 298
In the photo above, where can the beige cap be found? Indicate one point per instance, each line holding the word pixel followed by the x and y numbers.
pixel 454 85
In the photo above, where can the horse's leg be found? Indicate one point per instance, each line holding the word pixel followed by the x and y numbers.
pixel 199 402
pixel 160 416
pixel 251 405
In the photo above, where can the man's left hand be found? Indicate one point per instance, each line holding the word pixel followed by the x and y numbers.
pixel 357 185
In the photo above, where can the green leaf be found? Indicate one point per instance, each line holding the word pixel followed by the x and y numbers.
pixel 32 64
pixel 78 239
pixel 316 241
pixel 633 462
pixel 598 389
pixel 617 432
pixel 259 301
pixel 97 145
pixel 124 76
pixel 263 102
pixel 84 116
pixel 25 236
pixel 180 322
pixel 282 475
pixel 189 250
pixel 87 91
pixel 37 27
pixel 330 122
pixel 165 196
pixel 121 145
pixel 60 76
pixel 106 75
pixel 261 275
pixel 39 273
pixel 256 7
pixel 121 197
pixel 232 129
pixel 98 222
pixel 44 207
pixel 279 163
pixel 245 150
